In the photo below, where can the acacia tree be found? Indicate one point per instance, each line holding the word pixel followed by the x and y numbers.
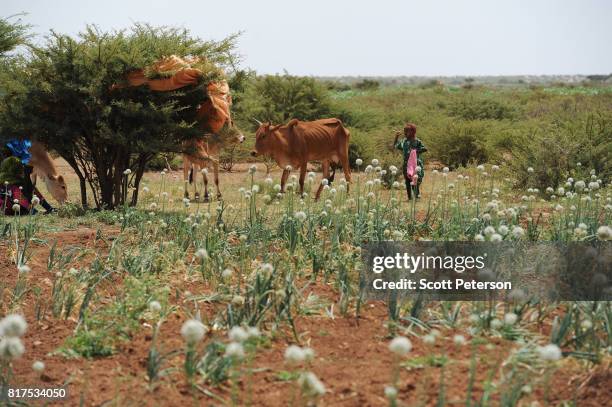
pixel 13 33
pixel 68 95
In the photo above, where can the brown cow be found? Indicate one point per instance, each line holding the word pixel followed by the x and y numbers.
pixel 44 168
pixel 199 153
pixel 296 143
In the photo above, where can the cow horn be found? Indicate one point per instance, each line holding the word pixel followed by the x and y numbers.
pixel 257 121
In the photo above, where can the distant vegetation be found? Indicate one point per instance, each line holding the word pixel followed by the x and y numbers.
pixel 549 127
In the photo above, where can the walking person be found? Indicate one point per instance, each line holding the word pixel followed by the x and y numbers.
pixel 407 145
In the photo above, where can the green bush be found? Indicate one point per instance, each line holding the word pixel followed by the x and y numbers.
pixel 279 98
pixel 367 84
pixel 477 108
pixel 460 143
pixel 556 150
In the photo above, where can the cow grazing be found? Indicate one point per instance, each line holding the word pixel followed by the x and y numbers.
pixel 296 143
pixel 44 168
pixel 199 154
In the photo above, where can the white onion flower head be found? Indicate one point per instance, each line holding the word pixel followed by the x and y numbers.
pixel 201 254
pixel 390 392
pixel 155 306
pixel 252 169
pixel 510 318
pixel 530 170
pixel 24 269
pixel 359 161
pixel 288 168
pixel 549 352
pixel 375 162
pixel 294 355
pixel 459 340
pixel 496 237
pixel 266 268
pixel 604 233
pixel 227 273
pixel 238 334
pixel 518 232
pixel 11 348
pixel 300 215
pixel 35 200
pixel 38 366
pixel 234 350
pixel 429 339
pixel 311 384
pixel 400 345
pixel 13 325
pixel 127 172
pixel 253 332
pixel 193 331
pixel 309 353
pixel 496 324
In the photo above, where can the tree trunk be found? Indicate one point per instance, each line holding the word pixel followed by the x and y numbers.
pixel 142 162
pixel 83 186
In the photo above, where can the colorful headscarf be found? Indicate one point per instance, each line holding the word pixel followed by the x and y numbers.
pixel 20 149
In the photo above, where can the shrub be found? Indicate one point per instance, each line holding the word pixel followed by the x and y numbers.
pixel 460 143
pixel 555 150
pixel 474 108
pixel 279 98
pixel 547 155
pixel 367 84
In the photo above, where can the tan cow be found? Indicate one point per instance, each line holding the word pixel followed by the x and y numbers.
pixel 296 143
pixel 199 153
pixel 44 168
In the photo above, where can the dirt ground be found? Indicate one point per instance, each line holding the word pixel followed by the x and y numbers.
pixel 352 357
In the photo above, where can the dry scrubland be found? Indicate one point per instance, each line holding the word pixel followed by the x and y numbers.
pixel 107 296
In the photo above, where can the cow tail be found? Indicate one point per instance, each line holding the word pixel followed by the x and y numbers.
pixel 331 177
pixel 191 175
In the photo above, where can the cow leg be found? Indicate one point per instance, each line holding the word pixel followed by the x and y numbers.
pixel 325 166
pixel 216 175
pixel 302 177
pixel 196 171
pixel 186 169
pixel 205 179
pixel 346 168
pixel 284 180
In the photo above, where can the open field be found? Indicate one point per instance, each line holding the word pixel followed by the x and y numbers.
pixel 108 294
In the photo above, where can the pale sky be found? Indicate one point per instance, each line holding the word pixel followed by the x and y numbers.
pixel 376 37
